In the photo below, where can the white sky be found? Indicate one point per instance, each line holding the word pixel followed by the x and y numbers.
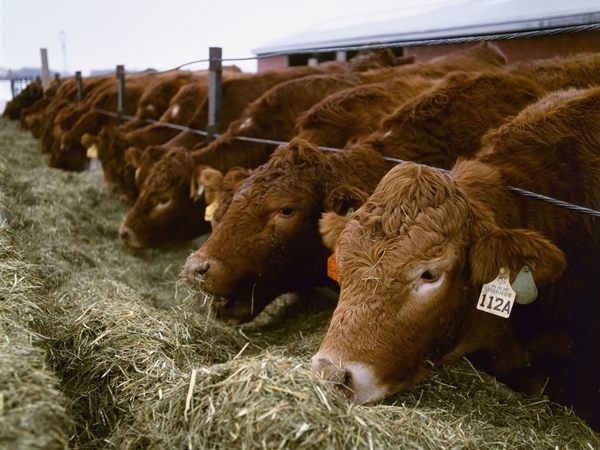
pixel 162 34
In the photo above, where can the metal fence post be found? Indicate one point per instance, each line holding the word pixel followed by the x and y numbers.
pixel 214 93
pixel 121 94
pixel 79 86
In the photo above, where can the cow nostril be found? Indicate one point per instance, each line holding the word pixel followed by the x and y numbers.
pixel 201 268
pixel 337 374
pixel 347 381
pixel 124 233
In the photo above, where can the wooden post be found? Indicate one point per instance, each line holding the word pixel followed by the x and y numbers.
pixel 585 364
pixel 45 70
pixel 57 80
pixel 121 95
pixel 79 86
pixel 341 56
pixel 214 92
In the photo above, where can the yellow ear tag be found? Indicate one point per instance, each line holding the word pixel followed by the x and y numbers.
pixel 92 152
pixel 497 297
pixel 209 212
pixel 332 270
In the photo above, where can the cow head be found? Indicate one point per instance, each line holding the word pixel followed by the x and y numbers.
pixel 267 242
pixel 164 213
pixel 411 263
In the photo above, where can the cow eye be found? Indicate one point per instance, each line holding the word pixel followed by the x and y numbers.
pixel 429 276
pixel 163 202
pixel 286 211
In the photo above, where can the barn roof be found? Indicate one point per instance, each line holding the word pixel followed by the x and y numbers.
pixel 452 19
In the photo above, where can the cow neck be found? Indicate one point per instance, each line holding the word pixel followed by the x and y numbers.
pixel 362 167
pixel 492 203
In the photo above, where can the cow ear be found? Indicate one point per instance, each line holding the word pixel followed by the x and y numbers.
pixel 512 249
pixel 87 140
pixel 331 226
pixel 339 206
pixel 235 177
pixel 133 156
pixel 431 103
pixel 206 182
pixel 344 200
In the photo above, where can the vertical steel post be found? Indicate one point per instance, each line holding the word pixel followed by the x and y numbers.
pixel 79 86
pixel 214 92
pixel 121 93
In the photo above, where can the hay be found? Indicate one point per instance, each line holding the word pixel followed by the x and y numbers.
pixel 114 352
pixel 32 412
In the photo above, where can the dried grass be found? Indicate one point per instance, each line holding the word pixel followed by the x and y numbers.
pixel 114 352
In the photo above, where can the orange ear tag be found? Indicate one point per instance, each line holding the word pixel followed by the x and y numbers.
pixel 332 270
pixel 209 212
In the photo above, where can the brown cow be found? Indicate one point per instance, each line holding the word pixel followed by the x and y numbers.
pixel 237 90
pixel 271 116
pixel 578 71
pixel 67 152
pixel 480 57
pixel 376 59
pixel 279 203
pixel 438 125
pixel 356 112
pixel 418 261
pixel 26 98
pixel 112 141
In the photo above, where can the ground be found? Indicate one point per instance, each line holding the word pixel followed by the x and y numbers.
pixel 104 347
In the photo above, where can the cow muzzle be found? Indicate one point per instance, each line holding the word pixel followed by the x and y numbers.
pixel 195 271
pixel 129 237
pixel 355 381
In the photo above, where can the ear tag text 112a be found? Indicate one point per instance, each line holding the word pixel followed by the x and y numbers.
pixel 497 297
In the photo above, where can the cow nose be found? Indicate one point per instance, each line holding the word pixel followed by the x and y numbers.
pixel 124 233
pixel 334 373
pixel 197 268
pixel 355 380
pixel 129 237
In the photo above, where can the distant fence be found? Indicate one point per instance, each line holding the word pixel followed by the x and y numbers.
pixel 17 85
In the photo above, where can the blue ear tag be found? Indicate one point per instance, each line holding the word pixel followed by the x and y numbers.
pixel 200 191
pixel 349 212
pixel 524 287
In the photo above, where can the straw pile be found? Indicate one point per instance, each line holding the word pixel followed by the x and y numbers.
pixel 102 347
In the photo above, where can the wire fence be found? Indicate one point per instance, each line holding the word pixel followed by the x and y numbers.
pixel 584 383
pixel 317 50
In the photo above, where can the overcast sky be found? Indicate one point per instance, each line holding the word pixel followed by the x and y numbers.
pixel 162 34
